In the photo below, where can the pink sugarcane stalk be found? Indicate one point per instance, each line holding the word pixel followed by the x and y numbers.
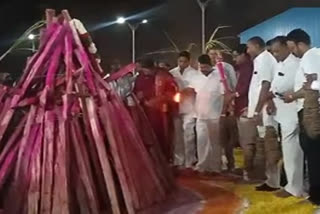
pixel 116 153
pixel 82 159
pixel 47 162
pixel 103 156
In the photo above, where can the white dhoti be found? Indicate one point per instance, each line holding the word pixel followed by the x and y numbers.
pixel 185 150
pixel 179 154
pixel 208 146
pixel 189 137
pixel 292 152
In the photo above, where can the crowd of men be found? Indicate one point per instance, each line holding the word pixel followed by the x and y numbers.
pixel 267 99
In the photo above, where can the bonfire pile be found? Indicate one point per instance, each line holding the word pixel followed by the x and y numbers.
pixel 74 147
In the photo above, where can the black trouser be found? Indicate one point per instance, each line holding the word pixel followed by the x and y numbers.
pixel 311 149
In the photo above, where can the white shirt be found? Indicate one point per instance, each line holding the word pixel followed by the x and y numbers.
pixel 209 97
pixel 264 69
pixel 310 64
pixel 284 80
pixel 183 80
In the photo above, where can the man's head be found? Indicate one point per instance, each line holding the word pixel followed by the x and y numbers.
pixel 240 54
pixel 268 45
pixel 279 48
pixel 145 65
pixel 138 65
pixel 184 59
pixel 255 46
pixel 115 66
pixel 164 65
pixel 215 55
pixel 205 64
pixel 298 42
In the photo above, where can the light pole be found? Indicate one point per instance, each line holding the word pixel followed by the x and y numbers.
pixel 203 6
pixel 133 28
pixel 31 37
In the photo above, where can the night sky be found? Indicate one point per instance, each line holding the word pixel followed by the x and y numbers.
pixel 180 18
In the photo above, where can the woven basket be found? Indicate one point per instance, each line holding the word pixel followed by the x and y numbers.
pixel 272 146
pixel 311 114
pixel 259 160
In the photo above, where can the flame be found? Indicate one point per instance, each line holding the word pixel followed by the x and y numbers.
pixel 177 98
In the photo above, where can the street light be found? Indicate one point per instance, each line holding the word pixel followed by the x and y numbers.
pixel 133 28
pixel 32 37
pixel 203 6
pixel 121 20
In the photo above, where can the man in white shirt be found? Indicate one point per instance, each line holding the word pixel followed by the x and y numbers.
pixel 228 123
pixel 299 43
pixel 185 123
pixel 286 115
pixel 208 106
pixel 264 66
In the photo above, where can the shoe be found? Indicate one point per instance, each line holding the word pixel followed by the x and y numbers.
pixel 283 194
pixel 266 188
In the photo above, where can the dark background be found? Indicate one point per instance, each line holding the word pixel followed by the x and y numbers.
pixel 180 18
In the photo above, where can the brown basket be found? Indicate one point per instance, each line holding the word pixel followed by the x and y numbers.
pixel 311 114
pixel 272 146
pixel 259 160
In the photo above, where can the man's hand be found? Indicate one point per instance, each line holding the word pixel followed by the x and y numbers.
pixel 288 97
pixel 258 119
pixel 187 92
pixel 271 107
pixel 307 85
pixel 229 97
pixel 310 78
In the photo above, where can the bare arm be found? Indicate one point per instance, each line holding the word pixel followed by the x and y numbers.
pixel 263 95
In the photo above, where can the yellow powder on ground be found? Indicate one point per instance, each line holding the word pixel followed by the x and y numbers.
pixel 267 203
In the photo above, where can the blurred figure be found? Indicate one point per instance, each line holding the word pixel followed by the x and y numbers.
pixel 208 106
pixel 155 89
pixel 307 95
pixel 228 122
pixel 164 65
pixel 185 145
pixel 247 133
pixel 268 46
pixel 286 115
pixel 115 66
pixel 264 69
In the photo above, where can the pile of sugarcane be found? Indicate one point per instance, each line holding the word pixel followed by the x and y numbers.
pixel 74 147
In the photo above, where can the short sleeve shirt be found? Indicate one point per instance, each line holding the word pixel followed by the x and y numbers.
pixel 264 69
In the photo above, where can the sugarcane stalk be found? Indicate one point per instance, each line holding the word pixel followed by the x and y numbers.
pixel 9 154
pixel 139 197
pixel 47 163
pixel 145 158
pixel 34 189
pixel 61 203
pixel 104 160
pixel 118 163
pixel 6 115
pixel 91 147
pixel 85 173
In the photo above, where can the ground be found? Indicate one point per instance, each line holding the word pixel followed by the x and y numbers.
pixel 228 195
